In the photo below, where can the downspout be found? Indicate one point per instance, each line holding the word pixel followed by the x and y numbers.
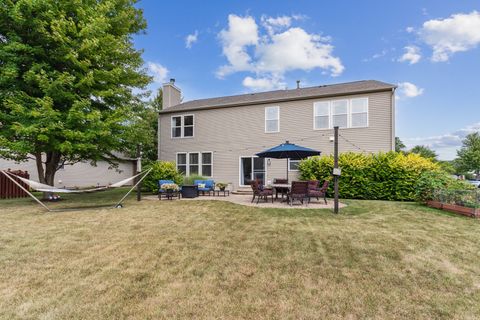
pixel 392 98
pixel 158 138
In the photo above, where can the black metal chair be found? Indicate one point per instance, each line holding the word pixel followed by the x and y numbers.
pixel 298 191
pixel 258 192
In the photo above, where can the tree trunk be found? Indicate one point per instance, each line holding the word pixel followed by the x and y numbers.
pixel 47 175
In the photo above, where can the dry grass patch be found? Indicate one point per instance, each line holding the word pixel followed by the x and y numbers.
pixel 201 259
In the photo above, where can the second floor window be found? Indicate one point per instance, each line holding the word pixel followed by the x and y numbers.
pixel 182 126
pixel 272 119
pixel 347 113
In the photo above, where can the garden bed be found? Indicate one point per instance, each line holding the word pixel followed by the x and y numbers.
pixel 455 208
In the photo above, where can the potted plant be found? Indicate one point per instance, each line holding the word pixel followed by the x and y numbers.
pixel 221 186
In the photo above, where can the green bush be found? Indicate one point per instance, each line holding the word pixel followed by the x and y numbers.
pixel 433 182
pixel 190 179
pixel 381 176
pixel 162 170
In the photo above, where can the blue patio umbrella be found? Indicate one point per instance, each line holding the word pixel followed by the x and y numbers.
pixel 287 151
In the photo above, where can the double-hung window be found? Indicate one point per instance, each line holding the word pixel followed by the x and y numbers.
pixel 340 113
pixel 359 112
pixel 346 113
pixel 195 163
pixel 272 119
pixel 182 126
pixel 321 115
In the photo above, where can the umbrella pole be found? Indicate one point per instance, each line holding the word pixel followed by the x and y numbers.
pixel 287 170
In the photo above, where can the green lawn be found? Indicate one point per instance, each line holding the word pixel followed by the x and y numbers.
pixel 204 260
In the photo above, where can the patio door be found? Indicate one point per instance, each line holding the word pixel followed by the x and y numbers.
pixel 252 168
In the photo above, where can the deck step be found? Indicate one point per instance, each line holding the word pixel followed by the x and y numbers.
pixel 244 191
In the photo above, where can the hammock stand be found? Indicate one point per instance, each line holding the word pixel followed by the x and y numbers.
pixel 46 188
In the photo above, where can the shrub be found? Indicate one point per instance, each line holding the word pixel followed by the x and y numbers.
pixel 161 170
pixel 434 182
pixel 382 176
pixel 190 179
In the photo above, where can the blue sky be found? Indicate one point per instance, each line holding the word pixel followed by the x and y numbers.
pixel 431 49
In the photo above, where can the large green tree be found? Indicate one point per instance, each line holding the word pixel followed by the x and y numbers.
pixel 399 145
pixel 68 73
pixel 425 152
pixel 469 154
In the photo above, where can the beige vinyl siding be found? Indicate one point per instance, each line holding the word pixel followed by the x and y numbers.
pixel 240 131
pixel 81 174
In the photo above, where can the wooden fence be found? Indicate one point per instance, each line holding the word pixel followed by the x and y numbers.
pixel 9 190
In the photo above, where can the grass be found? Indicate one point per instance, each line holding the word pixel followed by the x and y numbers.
pixel 203 260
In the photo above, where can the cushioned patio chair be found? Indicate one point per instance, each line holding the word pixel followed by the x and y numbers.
pixel 160 191
pixel 205 186
pixel 315 192
pixel 298 191
pixel 260 192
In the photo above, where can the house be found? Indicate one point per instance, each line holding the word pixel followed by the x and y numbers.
pixel 80 174
pixel 219 137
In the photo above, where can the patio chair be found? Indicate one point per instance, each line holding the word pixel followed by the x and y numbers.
pixel 315 192
pixel 163 192
pixel 260 192
pixel 209 185
pixel 298 191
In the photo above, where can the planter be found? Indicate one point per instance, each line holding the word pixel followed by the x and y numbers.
pixel 469 212
pixel 434 204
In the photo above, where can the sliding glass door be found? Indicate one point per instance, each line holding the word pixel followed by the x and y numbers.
pixel 252 168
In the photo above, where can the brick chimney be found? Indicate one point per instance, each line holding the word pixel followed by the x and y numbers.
pixel 171 95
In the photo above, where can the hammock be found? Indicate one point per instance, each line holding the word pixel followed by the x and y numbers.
pixel 46 188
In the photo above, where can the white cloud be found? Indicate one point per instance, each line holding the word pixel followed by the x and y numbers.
pixel 409 29
pixel 263 84
pixel 409 90
pixel 270 55
pixel 158 72
pixel 241 33
pixel 460 32
pixel 191 39
pixel 447 144
pixel 412 55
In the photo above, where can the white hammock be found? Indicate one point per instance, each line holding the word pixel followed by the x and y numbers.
pixel 46 188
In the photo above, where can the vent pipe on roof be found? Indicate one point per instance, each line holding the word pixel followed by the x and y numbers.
pixel 172 80
pixel 298 84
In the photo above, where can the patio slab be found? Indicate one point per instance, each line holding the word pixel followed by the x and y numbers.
pixel 246 201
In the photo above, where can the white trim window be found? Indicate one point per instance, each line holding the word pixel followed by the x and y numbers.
pixel 321 115
pixel 195 163
pixel 359 113
pixel 293 165
pixel 207 164
pixel 182 162
pixel 345 113
pixel 183 126
pixel 340 113
pixel 272 119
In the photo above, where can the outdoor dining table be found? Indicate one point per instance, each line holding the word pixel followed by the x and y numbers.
pixel 280 187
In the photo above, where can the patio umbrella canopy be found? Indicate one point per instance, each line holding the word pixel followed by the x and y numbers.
pixel 288 150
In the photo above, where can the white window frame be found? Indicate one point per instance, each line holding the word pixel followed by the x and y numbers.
pixel 182 126
pixel 278 119
pixel 351 112
pixel 329 116
pixel 290 160
pixel 200 162
pixel 340 114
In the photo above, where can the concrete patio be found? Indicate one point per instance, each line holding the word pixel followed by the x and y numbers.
pixel 246 201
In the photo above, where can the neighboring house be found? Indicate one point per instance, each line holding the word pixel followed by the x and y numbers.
pixel 81 174
pixel 219 137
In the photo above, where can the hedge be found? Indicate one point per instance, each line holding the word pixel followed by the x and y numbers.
pixel 162 170
pixel 381 176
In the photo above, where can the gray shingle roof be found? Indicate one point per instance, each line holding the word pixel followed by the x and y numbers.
pixel 363 86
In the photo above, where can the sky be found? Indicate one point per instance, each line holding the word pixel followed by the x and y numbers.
pixel 430 49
